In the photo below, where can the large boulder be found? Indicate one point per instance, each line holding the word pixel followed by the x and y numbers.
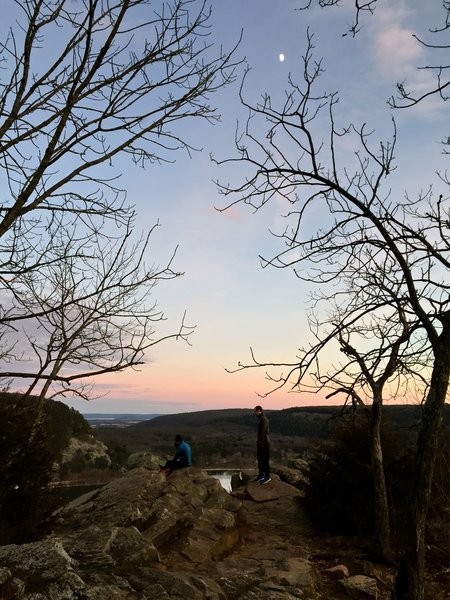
pixel 88 452
pixel 247 487
pixel 360 587
pixel 144 459
pixel 40 570
pixel 293 476
pixel 118 541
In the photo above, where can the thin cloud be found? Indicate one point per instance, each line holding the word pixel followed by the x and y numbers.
pixel 397 55
pixel 396 52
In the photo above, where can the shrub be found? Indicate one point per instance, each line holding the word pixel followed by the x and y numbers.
pixel 118 453
pixel 339 495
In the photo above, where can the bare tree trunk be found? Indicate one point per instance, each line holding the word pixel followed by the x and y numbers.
pixel 382 520
pixel 410 580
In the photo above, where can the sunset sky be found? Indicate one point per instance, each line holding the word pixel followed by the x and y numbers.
pixel 233 302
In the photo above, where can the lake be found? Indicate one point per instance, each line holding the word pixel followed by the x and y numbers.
pixel 224 477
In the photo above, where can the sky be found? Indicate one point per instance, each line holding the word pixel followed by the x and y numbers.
pixel 231 300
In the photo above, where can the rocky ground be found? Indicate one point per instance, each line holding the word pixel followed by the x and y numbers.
pixel 145 536
pixel 292 561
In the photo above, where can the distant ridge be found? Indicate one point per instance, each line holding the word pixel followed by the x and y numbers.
pixel 304 421
pixel 220 434
pixel 224 420
pixel 296 421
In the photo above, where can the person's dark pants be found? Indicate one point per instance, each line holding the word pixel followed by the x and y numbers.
pixel 262 454
pixel 171 465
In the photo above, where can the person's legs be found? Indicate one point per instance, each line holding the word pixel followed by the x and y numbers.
pixel 177 464
pixel 266 462
pixel 168 467
pixel 164 468
pixel 173 465
pixel 260 459
pixel 265 465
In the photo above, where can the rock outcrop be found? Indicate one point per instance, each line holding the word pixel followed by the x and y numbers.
pixel 119 542
pixel 87 452
pixel 145 536
pixel 144 459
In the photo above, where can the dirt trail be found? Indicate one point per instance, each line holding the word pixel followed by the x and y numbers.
pixel 278 556
pixel 277 529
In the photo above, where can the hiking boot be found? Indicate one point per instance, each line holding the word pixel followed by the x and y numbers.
pixel 265 480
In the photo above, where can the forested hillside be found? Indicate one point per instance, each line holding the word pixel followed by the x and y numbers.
pixel 32 438
pixel 229 434
pixel 58 420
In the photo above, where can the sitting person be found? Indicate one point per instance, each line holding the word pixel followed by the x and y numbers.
pixel 182 456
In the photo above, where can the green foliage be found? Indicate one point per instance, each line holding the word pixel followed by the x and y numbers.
pixel 27 462
pixel 118 453
pixel 64 423
pixel 32 437
pixel 101 462
pixel 79 462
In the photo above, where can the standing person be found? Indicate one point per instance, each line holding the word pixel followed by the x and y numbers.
pixel 263 446
pixel 181 458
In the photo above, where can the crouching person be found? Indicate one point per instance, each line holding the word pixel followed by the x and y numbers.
pixel 181 458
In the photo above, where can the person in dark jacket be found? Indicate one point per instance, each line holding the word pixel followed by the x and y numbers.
pixel 182 457
pixel 262 446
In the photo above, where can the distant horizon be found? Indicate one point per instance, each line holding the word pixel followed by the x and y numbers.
pixel 92 414
pixel 157 414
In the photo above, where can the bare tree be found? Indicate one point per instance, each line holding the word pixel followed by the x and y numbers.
pixel 86 312
pixel 438 41
pixel 375 350
pixel 294 161
pixel 121 75
pixel 361 6
pixel 374 334
pixel 410 576
pixel 82 85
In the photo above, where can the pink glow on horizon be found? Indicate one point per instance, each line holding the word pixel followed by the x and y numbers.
pixel 147 392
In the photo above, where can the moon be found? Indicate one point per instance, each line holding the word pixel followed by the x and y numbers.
pixel 281 57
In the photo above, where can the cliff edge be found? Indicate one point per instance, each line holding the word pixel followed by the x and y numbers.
pixel 145 536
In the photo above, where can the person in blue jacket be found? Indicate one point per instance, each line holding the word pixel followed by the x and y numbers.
pixel 182 457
